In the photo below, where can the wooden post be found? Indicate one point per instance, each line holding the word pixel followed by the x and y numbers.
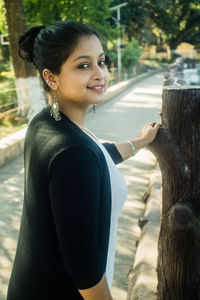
pixel 177 148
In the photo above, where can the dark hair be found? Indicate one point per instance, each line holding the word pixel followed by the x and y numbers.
pixel 49 47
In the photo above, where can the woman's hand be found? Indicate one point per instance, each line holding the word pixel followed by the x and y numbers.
pixel 148 133
pixel 146 136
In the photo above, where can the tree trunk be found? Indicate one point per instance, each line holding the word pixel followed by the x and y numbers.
pixel 177 148
pixel 30 97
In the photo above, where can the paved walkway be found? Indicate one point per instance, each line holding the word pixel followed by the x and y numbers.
pixel 119 119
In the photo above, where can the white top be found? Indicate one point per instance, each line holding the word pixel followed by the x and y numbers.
pixel 118 197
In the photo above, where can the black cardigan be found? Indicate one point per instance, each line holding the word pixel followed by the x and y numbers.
pixel 64 232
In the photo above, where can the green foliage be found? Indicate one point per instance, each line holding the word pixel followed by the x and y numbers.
pixel 156 22
pixel 3 48
pixel 95 13
pixel 7 85
pixel 10 122
pixel 2 18
pixel 112 57
pixel 152 64
pixel 8 97
pixel 177 19
pixel 131 54
pixel 135 19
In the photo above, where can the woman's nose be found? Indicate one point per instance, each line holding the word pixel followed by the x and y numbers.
pixel 98 73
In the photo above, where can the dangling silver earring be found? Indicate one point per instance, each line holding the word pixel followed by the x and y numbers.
pixel 94 108
pixel 55 109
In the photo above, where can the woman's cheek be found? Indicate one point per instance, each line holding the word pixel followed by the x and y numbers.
pixel 106 76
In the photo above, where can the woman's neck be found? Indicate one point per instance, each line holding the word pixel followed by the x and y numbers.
pixel 75 113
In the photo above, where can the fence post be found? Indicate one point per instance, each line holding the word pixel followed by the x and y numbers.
pixel 177 148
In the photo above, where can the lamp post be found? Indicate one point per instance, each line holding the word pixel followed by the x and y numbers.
pixel 117 7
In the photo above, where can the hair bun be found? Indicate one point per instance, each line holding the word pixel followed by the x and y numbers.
pixel 26 43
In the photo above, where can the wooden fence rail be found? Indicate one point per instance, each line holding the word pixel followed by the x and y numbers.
pixel 7 104
pixel 10 111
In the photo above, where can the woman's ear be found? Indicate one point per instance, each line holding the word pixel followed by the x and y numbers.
pixel 50 79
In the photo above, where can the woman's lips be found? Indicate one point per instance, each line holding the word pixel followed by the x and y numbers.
pixel 97 88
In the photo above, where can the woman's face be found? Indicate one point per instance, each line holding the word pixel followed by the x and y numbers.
pixel 84 77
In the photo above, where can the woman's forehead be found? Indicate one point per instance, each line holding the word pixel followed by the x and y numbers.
pixel 87 46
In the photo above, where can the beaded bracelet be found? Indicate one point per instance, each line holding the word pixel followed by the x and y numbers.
pixel 132 147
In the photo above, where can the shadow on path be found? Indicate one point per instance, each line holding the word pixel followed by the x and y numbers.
pixel 11 197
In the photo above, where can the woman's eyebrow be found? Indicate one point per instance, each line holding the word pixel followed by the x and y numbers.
pixel 87 56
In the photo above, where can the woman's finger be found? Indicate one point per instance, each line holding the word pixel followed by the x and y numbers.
pixel 157 125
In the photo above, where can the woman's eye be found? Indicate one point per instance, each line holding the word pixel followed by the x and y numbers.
pixel 83 66
pixel 102 63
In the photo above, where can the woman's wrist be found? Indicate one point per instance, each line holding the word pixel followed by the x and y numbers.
pixel 139 143
pixel 132 147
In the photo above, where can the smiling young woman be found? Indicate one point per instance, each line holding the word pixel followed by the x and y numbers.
pixel 73 191
pixel 83 78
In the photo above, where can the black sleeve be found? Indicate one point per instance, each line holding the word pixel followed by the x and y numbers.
pixel 114 153
pixel 74 187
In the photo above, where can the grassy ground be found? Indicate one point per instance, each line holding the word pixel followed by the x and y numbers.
pixel 11 123
pixel 149 64
pixel 7 85
pixel 5 130
pixel 6 77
